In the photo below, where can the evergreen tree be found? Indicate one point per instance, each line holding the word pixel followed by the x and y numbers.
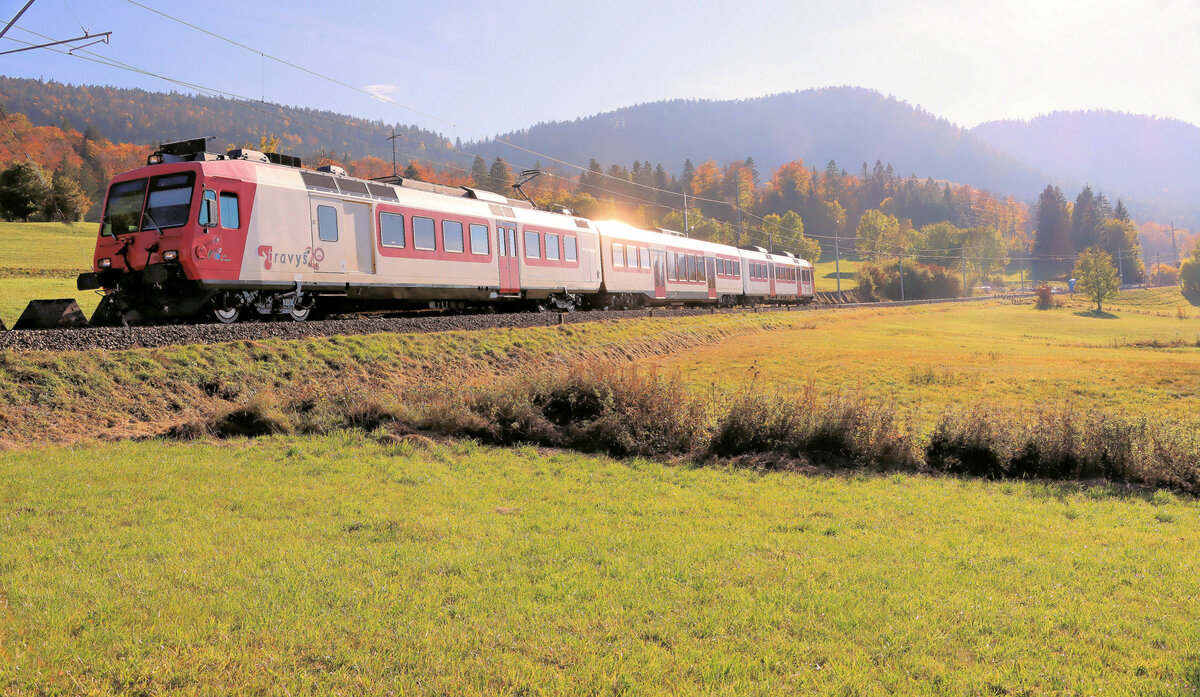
pixel 500 177
pixel 479 173
pixel 411 172
pixel 1052 242
pixel 1085 217
pixel 1121 213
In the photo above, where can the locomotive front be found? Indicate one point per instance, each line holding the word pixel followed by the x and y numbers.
pixel 153 248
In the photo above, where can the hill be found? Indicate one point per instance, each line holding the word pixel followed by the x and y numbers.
pixel 847 124
pixel 1149 161
pixel 125 115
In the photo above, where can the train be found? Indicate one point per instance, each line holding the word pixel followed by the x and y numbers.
pixel 225 236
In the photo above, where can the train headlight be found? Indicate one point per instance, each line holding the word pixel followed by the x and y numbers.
pixel 170 255
pixel 155 159
pixel 105 263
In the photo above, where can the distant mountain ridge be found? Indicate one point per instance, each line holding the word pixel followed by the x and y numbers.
pixel 1150 161
pixel 850 125
pixel 1147 161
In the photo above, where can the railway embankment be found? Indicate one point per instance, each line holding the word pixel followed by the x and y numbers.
pixel 122 338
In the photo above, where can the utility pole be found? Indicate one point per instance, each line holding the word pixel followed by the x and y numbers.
pixel 1120 268
pixel 687 231
pixel 1174 251
pixel 1157 267
pixel 837 259
pixel 900 259
pixel 964 262
pixel 737 205
pixel 393 138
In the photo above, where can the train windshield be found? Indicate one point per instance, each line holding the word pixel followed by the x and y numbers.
pixel 168 205
pixel 123 207
pixel 170 201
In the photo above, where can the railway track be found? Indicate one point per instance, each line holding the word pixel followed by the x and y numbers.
pixel 123 338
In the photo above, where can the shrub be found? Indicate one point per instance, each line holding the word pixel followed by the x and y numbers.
pixel 921 282
pixel 1045 297
pixel 601 408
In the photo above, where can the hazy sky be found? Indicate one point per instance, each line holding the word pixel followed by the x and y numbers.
pixel 489 67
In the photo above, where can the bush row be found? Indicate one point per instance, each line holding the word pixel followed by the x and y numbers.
pixel 626 411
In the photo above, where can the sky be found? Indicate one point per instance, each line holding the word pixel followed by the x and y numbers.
pixel 472 69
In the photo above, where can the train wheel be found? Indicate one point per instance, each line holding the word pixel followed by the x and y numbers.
pixel 300 314
pixel 227 315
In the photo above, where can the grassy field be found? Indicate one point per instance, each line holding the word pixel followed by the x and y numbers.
pixel 1010 356
pixel 367 563
pixel 41 260
pixel 337 565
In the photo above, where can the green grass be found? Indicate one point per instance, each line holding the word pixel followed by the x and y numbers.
pixel 41 261
pixel 1012 356
pixel 336 565
pixel 825 274
pixel 46 248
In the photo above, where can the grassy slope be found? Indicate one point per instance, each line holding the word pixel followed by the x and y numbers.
pixel 41 260
pixel 66 397
pixel 1008 355
pixel 322 565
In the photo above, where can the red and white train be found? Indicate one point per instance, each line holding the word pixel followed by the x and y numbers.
pixel 195 233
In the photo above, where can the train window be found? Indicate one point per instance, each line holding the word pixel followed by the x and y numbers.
pixel 452 236
pixel 701 273
pixel 327 224
pixel 209 195
pixel 424 234
pixel 618 255
pixel 691 264
pixel 737 269
pixel 644 257
pixel 391 230
pixel 500 248
pixel 479 238
pixel 533 245
pixel 123 207
pixel 570 252
pixel 229 211
pixel 170 201
pixel 552 246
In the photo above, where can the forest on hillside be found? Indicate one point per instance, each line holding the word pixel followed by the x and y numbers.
pixel 59 172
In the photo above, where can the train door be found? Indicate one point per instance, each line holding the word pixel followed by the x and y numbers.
pixel 710 265
pixel 341 237
pixel 771 276
pixel 506 253
pixel 660 274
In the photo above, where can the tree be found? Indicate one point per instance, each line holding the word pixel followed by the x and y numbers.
pixel 879 233
pixel 1120 237
pixel 1096 277
pixel 499 177
pixel 24 189
pixel 411 172
pixel 479 173
pixel 1052 241
pixel 67 198
pixel 1086 216
pixel 1189 272
pixel 1121 212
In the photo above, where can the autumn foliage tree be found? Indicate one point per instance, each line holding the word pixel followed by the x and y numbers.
pixel 1096 277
